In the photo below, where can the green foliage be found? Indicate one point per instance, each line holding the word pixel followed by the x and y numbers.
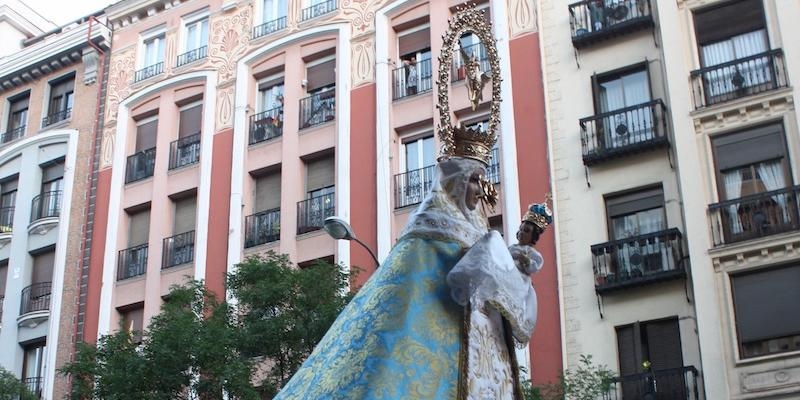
pixel 12 388
pixel 586 382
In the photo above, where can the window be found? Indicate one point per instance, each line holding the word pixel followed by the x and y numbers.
pixel 326 261
pixel 186 150
pixel 179 249
pixel 320 106
pixel 17 118
pixel 658 342
pixel 762 301
pixel 636 214
pixel 320 175
pixel 3 280
pixel 36 297
pixel 622 103
pixel 62 97
pixel 419 153
pixel 272 10
pixel 415 70
pixel 34 365
pixel 151 62
pixel 139 227
pixel 732 31
pixel 48 202
pixel 8 201
pixel 321 75
pixel 320 189
pixel 267 195
pixel 270 94
pixel 141 163
pixel 263 226
pixel 317 8
pixel 154 50
pixel 195 40
pixel 132 320
pixel 133 260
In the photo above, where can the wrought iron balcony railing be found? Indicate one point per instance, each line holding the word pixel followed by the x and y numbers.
pixel 639 260
pixel 406 85
pixel 411 187
pixel 184 151
pixel 493 170
pixel 755 216
pixel 140 165
pixel 311 213
pixel 262 227
pixel 625 131
pixel 34 384
pixel 192 56
pixel 592 21
pixel 35 297
pixel 13 134
pixel 46 205
pixel 57 116
pixel 6 219
pixel 668 384
pixel 317 108
pixel 269 27
pixel 739 78
pixel 132 262
pixel 477 51
pixel 266 125
pixel 318 10
pixel 149 72
pixel 178 250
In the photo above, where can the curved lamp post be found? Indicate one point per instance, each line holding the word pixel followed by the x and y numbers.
pixel 339 229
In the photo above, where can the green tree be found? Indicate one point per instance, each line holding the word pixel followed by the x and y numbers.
pixel 12 388
pixel 585 382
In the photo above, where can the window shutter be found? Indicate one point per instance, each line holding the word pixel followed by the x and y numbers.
pixel 664 344
pixel 62 87
pixel 139 229
pixel 749 147
pixel 19 104
pixel 630 203
pixel 268 192
pixel 764 301
pixel 146 135
pixel 185 214
pixel 191 120
pixel 414 41
pixel 43 267
pixel 53 172
pixel 133 319
pixel 321 75
pixel 626 346
pixel 734 18
pixel 8 186
pixel 320 173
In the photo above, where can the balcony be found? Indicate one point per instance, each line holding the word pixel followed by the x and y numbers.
pixel 46 205
pixel 35 298
pixel 405 87
pixel 639 260
pixel 184 151
pixel 739 78
pixel 178 250
pixel 13 134
pixel 58 116
pixel 140 165
pixel 6 219
pixel 149 72
pixel 317 109
pixel 262 227
pixel 311 213
pixel 190 57
pixel 132 262
pixel 318 10
pixel 266 125
pixel 493 170
pixel 412 186
pixel 668 384
pixel 755 216
pixel 593 21
pixel 477 51
pixel 34 385
pixel 624 132
pixel 269 27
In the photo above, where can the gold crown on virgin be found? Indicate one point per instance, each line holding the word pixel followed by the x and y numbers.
pixel 539 214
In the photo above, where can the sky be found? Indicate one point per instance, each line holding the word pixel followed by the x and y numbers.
pixel 62 12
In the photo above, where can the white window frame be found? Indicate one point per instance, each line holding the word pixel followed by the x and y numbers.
pixel 259 100
pixel 413 137
pixel 278 13
pixel 191 19
pixel 159 33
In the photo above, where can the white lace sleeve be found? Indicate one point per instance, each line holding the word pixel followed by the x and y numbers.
pixel 527 259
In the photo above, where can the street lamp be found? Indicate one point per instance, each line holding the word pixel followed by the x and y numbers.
pixel 339 229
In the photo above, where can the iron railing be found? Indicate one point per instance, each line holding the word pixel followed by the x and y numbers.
pixel 35 297
pixel 624 131
pixel 639 260
pixel 184 151
pixel 668 384
pixel 412 186
pixel 34 385
pixel 406 85
pixel 311 213
pixel 149 72
pixel 595 20
pixel 317 108
pixel 46 205
pixel 269 27
pixel 192 56
pixel 739 78
pixel 755 216
pixel 58 116
pixel 13 134
pixel 493 170
pixel 477 51
pixel 266 125
pixel 6 219
pixel 132 262
pixel 318 10
pixel 140 165
pixel 262 227
pixel 178 250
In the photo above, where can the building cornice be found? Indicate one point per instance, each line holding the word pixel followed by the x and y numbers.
pixel 128 12
pixel 51 54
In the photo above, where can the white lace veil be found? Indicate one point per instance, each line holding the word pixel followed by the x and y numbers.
pixel 444 213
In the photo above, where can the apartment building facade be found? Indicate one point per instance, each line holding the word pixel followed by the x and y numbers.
pixel 674 160
pixel 234 128
pixel 49 90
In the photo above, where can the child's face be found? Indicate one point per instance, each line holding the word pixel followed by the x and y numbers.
pixel 525 233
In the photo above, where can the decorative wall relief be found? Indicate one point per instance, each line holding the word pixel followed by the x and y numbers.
pixel 522 17
pixel 224 108
pixel 230 39
pixel 363 61
pixel 361 14
pixel 107 147
pixel 120 76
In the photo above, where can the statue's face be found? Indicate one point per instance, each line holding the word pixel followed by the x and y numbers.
pixel 525 233
pixel 474 192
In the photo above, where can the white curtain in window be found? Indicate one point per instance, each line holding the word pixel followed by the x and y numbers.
pixel 271 98
pixel 771 175
pixel 745 74
pixel 733 190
